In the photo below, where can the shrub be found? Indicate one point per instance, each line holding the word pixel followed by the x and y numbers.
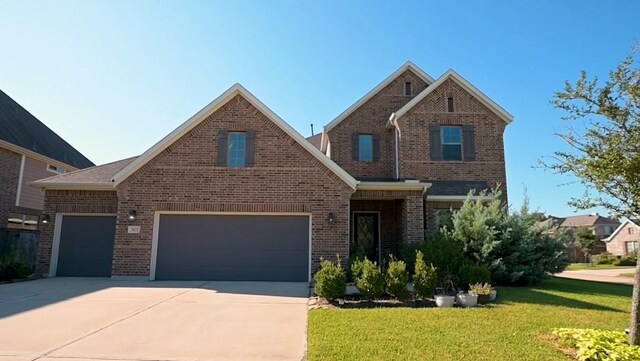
pixel 481 289
pixel 626 261
pixel 397 279
pixel 12 268
pixel 424 278
pixel 598 345
pixel 473 273
pixel 369 279
pixel 604 258
pixel 330 280
pixel 440 251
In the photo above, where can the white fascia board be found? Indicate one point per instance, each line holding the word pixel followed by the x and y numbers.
pixel 437 198
pixel 620 227
pixel 451 74
pixel 406 66
pixel 393 186
pixel 216 104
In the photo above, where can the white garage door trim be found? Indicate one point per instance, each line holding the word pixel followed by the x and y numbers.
pixel 156 228
pixel 57 232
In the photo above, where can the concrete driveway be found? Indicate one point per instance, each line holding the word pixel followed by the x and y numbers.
pixel 64 319
pixel 600 275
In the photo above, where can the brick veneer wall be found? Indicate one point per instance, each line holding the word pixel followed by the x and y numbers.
pixel 65 201
pixel 9 177
pixel 370 118
pixel 617 244
pixel 285 178
pixel 431 208
pixel 415 161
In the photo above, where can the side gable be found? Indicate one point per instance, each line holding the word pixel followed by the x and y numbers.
pixel 624 225
pixel 212 107
pixel 451 74
pixel 408 66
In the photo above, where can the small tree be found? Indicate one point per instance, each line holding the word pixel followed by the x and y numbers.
pixel 369 278
pixel 425 278
pixel 330 280
pixel 586 240
pixel 397 279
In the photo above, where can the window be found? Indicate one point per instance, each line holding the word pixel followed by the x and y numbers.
pixel 451 143
pixel 407 88
pixel 631 246
pixel 54 169
pixel 450 105
pixel 22 221
pixel 236 154
pixel 365 147
pixel 630 230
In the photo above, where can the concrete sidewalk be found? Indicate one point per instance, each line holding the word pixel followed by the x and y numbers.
pixel 600 275
pixel 99 319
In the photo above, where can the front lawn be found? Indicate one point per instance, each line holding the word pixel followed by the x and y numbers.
pixel 582 266
pixel 516 328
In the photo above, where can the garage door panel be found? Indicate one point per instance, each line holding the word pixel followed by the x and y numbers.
pixel 233 247
pixel 86 246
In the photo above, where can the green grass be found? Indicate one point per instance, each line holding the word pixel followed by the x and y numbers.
pixel 629 275
pixel 581 266
pixel 513 329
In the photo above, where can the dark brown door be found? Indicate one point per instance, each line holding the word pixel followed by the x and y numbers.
pixel 365 241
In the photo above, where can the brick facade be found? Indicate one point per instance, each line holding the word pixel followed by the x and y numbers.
pixel 370 118
pixel 617 244
pixel 66 201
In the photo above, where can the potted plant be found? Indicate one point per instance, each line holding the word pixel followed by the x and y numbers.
pixel 494 294
pixel 467 299
pixel 445 298
pixel 483 290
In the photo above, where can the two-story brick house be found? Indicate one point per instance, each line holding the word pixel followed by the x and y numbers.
pixel 235 193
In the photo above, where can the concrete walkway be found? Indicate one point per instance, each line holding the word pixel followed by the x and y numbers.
pixel 62 319
pixel 600 275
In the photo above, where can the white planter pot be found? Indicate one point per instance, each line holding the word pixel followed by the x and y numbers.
pixel 468 299
pixel 444 301
pixel 493 296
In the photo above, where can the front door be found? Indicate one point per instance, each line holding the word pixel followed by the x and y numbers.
pixel 365 241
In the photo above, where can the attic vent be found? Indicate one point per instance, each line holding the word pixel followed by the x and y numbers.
pixel 407 88
pixel 450 104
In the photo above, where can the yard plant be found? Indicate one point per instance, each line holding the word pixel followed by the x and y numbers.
pixel 397 279
pixel 425 278
pixel 369 279
pixel 330 280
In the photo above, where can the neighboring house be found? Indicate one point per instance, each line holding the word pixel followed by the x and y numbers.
pixel 235 193
pixel 624 240
pixel 29 151
pixel 601 226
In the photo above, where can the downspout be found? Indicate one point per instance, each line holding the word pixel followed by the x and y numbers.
pixel 395 131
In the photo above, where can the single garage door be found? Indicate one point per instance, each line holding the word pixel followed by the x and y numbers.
pixel 86 246
pixel 233 247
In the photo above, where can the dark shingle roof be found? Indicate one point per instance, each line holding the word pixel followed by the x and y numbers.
pixel 455 188
pixel 19 127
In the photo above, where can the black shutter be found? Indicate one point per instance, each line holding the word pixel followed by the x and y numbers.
pixel 222 148
pixel 376 147
pixel 436 143
pixel 355 154
pixel 250 148
pixel 468 143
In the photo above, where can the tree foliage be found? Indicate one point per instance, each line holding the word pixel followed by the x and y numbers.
pixel 585 238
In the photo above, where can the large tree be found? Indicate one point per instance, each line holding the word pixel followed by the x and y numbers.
pixel 586 240
pixel 604 150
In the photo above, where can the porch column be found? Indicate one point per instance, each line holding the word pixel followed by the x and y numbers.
pixel 413 219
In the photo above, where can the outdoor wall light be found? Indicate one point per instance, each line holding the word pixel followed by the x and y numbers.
pixel 46 219
pixel 131 215
pixel 331 218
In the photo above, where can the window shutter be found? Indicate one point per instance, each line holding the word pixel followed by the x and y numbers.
pixel 376 147
pixel 468 143
pixel 222 148
pixel 250 148
pixel 436 144
pixel 355 147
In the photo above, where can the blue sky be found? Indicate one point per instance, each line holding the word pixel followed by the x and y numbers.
pixel 113 78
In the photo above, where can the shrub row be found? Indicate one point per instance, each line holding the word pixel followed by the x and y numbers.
pixel 608 258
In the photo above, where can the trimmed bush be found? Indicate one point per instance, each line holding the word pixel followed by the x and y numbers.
pixel 12 268
pixel 425 278
pixel 626 261
pixel 330 280
pixel 397 279
pixel 598 345
pixel 604 258
pixel 473 273
pixel 369 279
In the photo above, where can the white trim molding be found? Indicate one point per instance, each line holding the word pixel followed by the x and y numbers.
pixel 620 227
pixel 216 104
pixel 156 231
pixel 439 198
pixel 393 186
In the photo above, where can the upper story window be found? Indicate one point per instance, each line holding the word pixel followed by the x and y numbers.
pixel 451 143
pixel 631 246
pixel 237 149
pixel 54 169
pixel 630 230
pixel 450 104
pixel 407 88
pixel 365 147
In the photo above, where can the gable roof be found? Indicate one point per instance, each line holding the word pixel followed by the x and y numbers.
pixel 451 74
pixel 94 178
pixel 205 112
pixel 20 128
pixel 406 66
pixel 586 220
pixel 620 228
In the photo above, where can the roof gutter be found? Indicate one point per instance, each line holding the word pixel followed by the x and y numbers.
pixel 393 186
pixel 74 186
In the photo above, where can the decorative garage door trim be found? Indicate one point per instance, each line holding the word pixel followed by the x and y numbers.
pixel 57 232
pixel 156 230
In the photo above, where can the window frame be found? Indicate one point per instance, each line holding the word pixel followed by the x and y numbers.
pixel 360 148
pixel 626 246
pixel 55 169
pixel 443 143
pixel 230 153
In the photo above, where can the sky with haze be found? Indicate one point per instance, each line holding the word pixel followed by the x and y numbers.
pixel 114 77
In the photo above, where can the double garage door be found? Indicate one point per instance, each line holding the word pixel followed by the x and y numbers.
pixel 196 247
